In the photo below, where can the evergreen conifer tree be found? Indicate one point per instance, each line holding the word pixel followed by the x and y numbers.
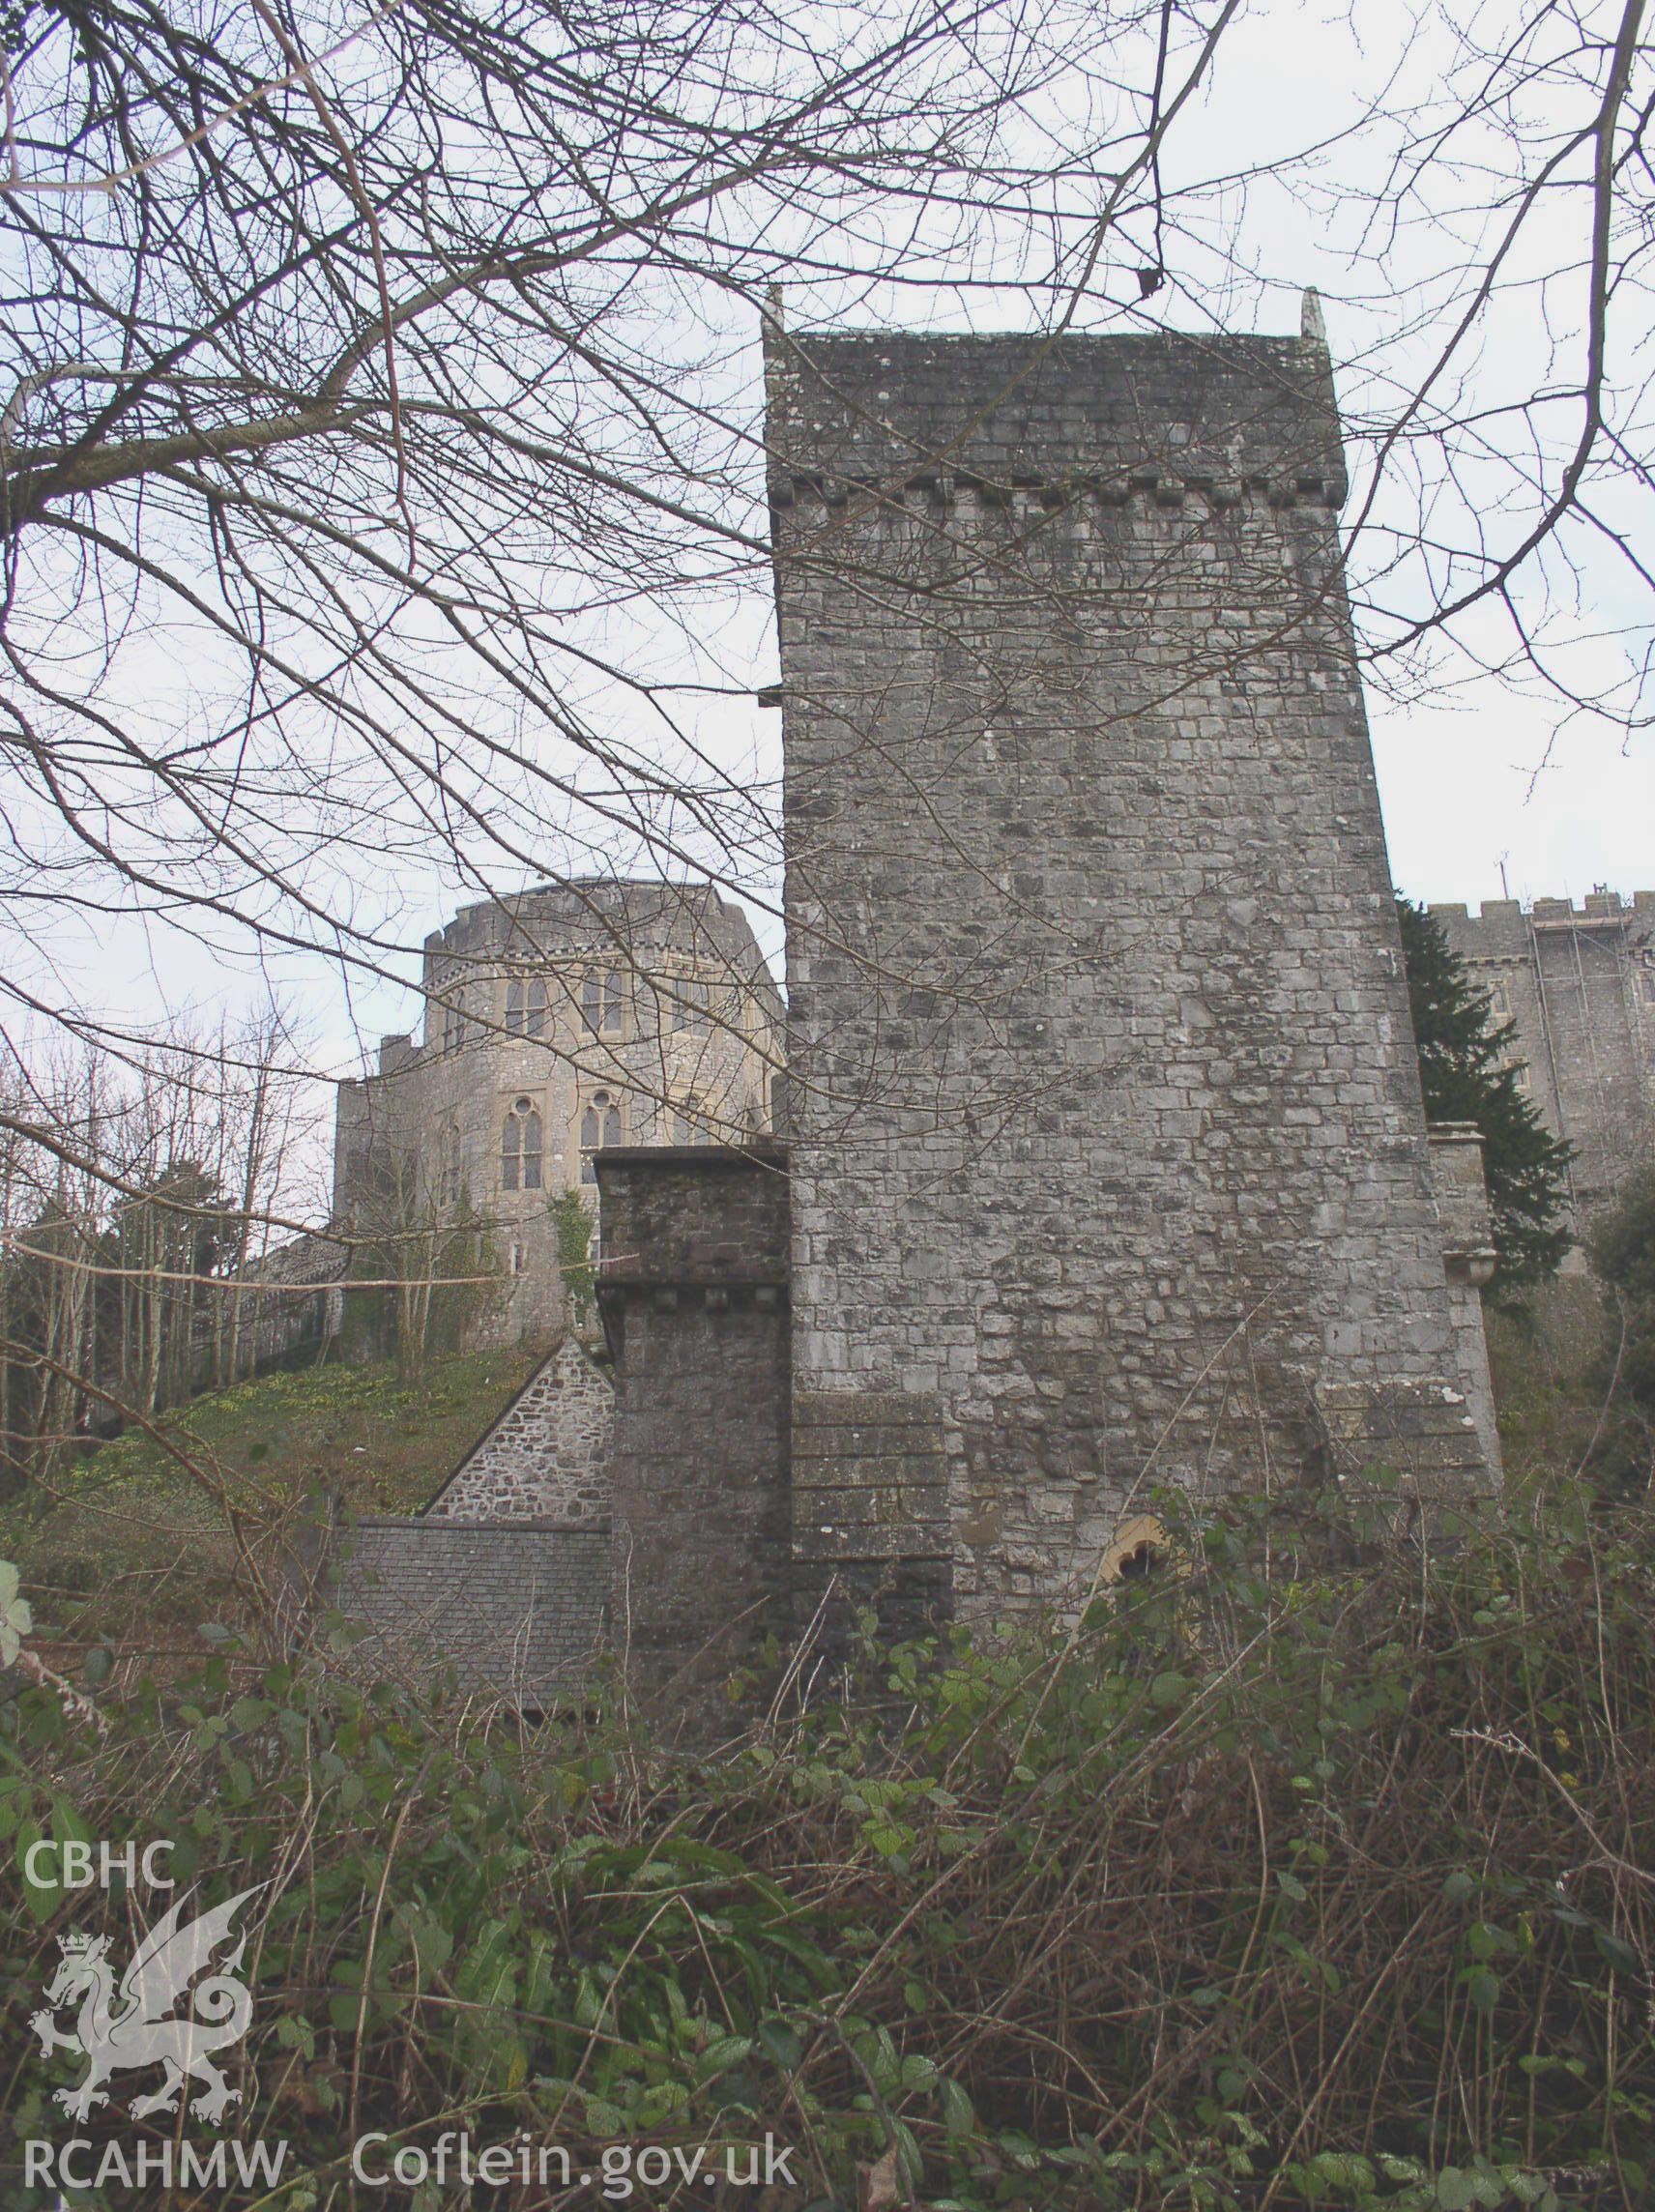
pixel 1461 1050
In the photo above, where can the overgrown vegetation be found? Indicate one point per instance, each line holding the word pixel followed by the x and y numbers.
pixel 574 1220
pixel 1321 1885
pixel 1622 1248
pixel 161 1530
pixel 1547 1355
pixel 133 1186
pixel 427 1280
pixel 1574 1364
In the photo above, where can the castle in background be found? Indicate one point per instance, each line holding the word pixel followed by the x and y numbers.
pixel 1579 985
pixel 615 1009
pixel 566 1021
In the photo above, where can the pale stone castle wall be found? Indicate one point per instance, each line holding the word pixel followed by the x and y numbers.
pixel 635 1013
pixel 1579 984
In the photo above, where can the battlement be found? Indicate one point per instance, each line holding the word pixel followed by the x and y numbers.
pixel 603 917
pixel 1597 907
pixel 950 490
pixel 1152 416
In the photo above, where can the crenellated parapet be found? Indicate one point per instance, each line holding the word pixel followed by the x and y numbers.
pixel 1573 982
pixel 959 491
pixel 1596 908
pixel 1110 417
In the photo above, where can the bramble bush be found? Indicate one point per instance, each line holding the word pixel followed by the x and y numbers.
pixel 1308 1872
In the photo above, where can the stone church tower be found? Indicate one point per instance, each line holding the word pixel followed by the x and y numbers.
pixel 1107 1161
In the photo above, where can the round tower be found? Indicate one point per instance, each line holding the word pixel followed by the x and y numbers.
pixel 570 1018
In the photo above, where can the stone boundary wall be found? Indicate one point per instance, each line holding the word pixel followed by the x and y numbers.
pixel 519 1609
pixel 290 1301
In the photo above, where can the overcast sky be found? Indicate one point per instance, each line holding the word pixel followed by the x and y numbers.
pixel 1476 772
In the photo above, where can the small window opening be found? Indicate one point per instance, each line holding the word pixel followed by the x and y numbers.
pixel 520 1147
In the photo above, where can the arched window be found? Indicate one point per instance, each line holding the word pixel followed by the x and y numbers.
pixel 520 1147
pixel 694 1002
pixel 1138 1551
pixel 601 1005
pixel 449 1164
pixel 599 1127
pixel 526 1008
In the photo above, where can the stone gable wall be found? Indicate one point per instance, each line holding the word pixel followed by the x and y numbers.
pixel 547 1457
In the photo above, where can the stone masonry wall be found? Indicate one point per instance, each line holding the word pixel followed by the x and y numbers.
pixel 694 1295
pixel 688 1029
pixel 284 1306
pixel 1106 1128
pixel 547 1456
pixel 870 1521
pixel 1579 982
pixel 1468 1255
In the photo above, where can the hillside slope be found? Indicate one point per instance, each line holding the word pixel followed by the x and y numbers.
pixel 140 1542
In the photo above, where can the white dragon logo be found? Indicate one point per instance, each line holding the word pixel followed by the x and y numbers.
pixel 119 2031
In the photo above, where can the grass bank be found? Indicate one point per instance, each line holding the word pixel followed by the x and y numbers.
pixel 149 1535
